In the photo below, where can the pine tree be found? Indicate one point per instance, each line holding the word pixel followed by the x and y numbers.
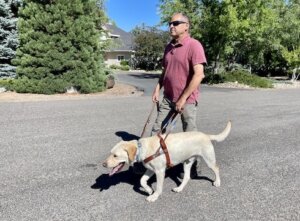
pixel 59 47
pixel 8 36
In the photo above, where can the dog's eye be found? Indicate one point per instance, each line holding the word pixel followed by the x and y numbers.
pixel 115 155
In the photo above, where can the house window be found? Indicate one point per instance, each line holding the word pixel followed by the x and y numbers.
pixel 121 57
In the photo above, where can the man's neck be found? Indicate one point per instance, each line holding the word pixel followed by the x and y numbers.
pixel 180 38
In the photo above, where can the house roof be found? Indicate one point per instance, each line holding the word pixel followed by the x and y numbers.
pixel 123 39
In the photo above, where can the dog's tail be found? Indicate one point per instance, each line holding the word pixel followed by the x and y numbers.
pixel 220 137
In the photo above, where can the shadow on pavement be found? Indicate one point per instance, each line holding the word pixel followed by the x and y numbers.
pixel 127 136
pixel 104 181
pixel 145 76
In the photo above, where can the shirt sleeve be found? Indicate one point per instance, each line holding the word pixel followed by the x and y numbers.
pixel 197 53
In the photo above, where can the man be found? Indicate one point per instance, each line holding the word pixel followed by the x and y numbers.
pixel 183 70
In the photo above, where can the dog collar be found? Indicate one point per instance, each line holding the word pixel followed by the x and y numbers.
pixel 138 152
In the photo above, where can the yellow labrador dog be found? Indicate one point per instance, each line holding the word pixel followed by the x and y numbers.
pixel 183 148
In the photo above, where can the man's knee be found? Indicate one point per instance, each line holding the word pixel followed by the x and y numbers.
pixel 189 127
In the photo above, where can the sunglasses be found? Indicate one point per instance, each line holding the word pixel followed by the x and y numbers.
pixel 175 23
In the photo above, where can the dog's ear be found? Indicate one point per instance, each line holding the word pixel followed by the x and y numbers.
pixel 130 148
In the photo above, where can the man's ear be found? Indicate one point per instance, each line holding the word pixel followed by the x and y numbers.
pixel 187 27
pixel 131 149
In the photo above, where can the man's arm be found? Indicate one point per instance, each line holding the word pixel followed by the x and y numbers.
pixel 155 94
pixel 193 85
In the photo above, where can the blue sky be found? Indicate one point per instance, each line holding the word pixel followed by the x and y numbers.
pixel 127 14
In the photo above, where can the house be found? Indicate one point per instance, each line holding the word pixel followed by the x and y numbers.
pixel 121 47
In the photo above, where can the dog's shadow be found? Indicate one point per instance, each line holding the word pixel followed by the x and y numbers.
pixel 104 181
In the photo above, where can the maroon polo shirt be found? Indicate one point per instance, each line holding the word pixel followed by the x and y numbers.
pixel 178 62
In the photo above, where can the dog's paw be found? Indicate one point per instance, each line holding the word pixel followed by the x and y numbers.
pixel 152 198
pixel 177 189
pixel 217 183
pixel 149 191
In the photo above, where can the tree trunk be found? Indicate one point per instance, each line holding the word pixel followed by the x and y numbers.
pixel 295 76
pixel 216 65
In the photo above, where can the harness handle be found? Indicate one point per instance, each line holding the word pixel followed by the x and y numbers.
pixel 163 145
pixel 172 121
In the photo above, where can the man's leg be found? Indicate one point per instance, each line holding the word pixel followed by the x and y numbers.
pixel 188 118
pixel 163 115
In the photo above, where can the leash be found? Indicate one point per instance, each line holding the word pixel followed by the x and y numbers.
pixel 149 117
pixel 172 122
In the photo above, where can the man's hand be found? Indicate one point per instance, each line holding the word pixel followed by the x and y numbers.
pixel 155 94
pixel 180 105
pixel 193 85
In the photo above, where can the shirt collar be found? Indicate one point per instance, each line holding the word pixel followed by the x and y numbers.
pixel 181 42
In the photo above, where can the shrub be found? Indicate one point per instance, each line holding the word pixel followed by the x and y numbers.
pixel 125 68
pixel 7 83
pixel 44 86
pixel 124 63
pixel 244 77
pixel 114 66
pixel 211 78
pixel 119 67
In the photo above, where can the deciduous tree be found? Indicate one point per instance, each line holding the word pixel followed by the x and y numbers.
pixel 291 37
pixel 262 34
pixel 149 44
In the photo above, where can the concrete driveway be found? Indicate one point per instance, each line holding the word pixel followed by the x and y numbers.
pixel 50 155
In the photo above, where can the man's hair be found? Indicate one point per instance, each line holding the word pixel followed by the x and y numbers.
pixel 182 15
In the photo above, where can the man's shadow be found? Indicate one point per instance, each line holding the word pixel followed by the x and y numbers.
pixel 104 181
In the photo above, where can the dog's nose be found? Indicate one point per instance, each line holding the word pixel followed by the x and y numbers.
pixel 104 164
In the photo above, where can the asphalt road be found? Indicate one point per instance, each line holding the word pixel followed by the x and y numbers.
pixel 50 155
pixel 147 81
